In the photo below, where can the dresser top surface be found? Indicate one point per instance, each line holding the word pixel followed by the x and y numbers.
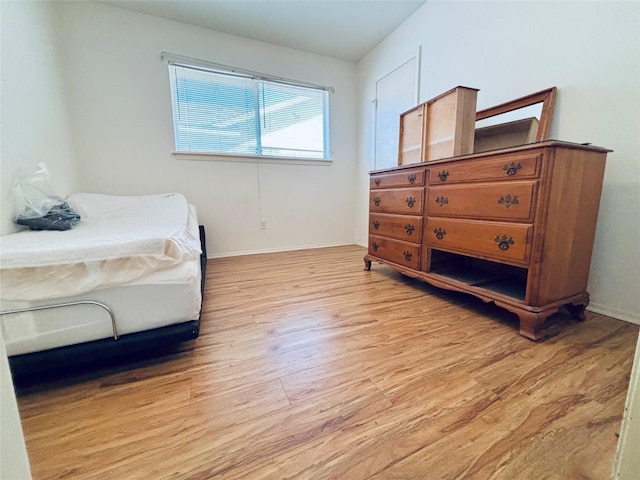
pixel 489 153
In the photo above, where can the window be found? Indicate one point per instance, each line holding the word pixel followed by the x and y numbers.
pixel 231 113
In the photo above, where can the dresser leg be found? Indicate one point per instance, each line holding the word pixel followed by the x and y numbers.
pixel 367 264
pixel 530 322
pixel 576 310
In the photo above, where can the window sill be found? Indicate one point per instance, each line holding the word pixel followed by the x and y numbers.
pixel 216 157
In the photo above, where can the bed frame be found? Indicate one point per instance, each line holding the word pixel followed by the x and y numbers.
pixel 99 351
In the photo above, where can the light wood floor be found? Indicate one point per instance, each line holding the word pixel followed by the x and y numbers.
pixel 309 367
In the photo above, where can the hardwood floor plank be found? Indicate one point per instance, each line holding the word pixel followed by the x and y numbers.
pixel 309 367
pixel 240 446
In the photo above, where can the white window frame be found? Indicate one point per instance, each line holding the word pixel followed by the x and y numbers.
pixel 181 61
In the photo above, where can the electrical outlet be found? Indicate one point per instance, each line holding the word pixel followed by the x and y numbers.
pixel 263 224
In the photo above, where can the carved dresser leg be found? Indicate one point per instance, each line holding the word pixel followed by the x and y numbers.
pixel 530 322
pixel 576 310
pixel 528 325
pixel 367 264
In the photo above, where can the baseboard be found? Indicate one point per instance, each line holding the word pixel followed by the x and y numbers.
pixel 612 312
pixel 277 250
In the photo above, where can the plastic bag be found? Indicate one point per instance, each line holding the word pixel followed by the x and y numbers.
pixel 60 217
pixel 38 207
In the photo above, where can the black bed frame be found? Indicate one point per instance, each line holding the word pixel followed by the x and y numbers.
pixel 99 351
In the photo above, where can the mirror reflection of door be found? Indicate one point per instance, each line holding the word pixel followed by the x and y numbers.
pixel 396 92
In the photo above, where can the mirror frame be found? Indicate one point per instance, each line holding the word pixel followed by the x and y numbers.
pixel 546 97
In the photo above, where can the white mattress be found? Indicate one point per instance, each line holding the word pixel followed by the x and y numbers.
pixel 119 239
pixel 163 298
pixel 148 281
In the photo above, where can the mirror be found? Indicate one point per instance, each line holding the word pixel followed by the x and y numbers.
pixel 523 120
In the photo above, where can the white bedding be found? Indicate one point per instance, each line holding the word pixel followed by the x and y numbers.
pixel 119 239
pixel 123 253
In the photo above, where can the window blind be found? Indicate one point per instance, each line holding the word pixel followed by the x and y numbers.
pixel 230 113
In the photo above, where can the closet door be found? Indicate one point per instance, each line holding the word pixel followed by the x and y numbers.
pixel 396 92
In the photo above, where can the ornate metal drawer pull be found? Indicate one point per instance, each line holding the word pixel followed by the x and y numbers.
pixel 411 202
pixel 375 246
pixel 443 176
pixel 407 255
pixel 376 201
pixel 409 229
pixel 377 182
pixel 440 233
pixel 376 224
pixel 512 169
pixel 411 178
pixel 442 201
pixel 504 242
pixel 508 200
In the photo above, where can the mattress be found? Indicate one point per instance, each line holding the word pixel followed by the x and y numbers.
pixel 137 255
pixel 120 239
pixel 164 298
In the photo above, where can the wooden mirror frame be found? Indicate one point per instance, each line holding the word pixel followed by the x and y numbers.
pixel 546 97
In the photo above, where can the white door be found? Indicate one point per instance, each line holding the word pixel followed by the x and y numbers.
pixel 396 93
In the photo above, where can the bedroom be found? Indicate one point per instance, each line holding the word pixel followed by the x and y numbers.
pixel 98 105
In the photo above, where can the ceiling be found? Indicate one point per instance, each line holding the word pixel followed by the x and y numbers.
pixel 346 29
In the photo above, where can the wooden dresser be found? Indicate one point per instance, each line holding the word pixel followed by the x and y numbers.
pixel 512 226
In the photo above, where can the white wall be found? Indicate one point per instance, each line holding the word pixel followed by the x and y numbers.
pixel 14 461
pixel 118 89
pixel 589 50
pixel 33 110
pixel 627 464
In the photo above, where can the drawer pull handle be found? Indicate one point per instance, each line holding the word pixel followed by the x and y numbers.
pixel 512 169
pixel 375 246
pixel 504 242
pixel 442 201
pixel 409 229
pixel 376 224
pixel 443 176
pixel 411 178
pixel 508 200
pixel 377 182
pixel 376 201
pixel 440 233
pixel 411 201
pixel 407 255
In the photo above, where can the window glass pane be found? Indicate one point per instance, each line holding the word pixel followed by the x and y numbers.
pixel 292 120
pixel 219 112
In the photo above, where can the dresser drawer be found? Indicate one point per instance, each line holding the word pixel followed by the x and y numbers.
pixel 501 200
pixel 397 179
pixel 396 251
pixel 400 200
pixel 504 242
pixel 402 227
pixel 501 167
